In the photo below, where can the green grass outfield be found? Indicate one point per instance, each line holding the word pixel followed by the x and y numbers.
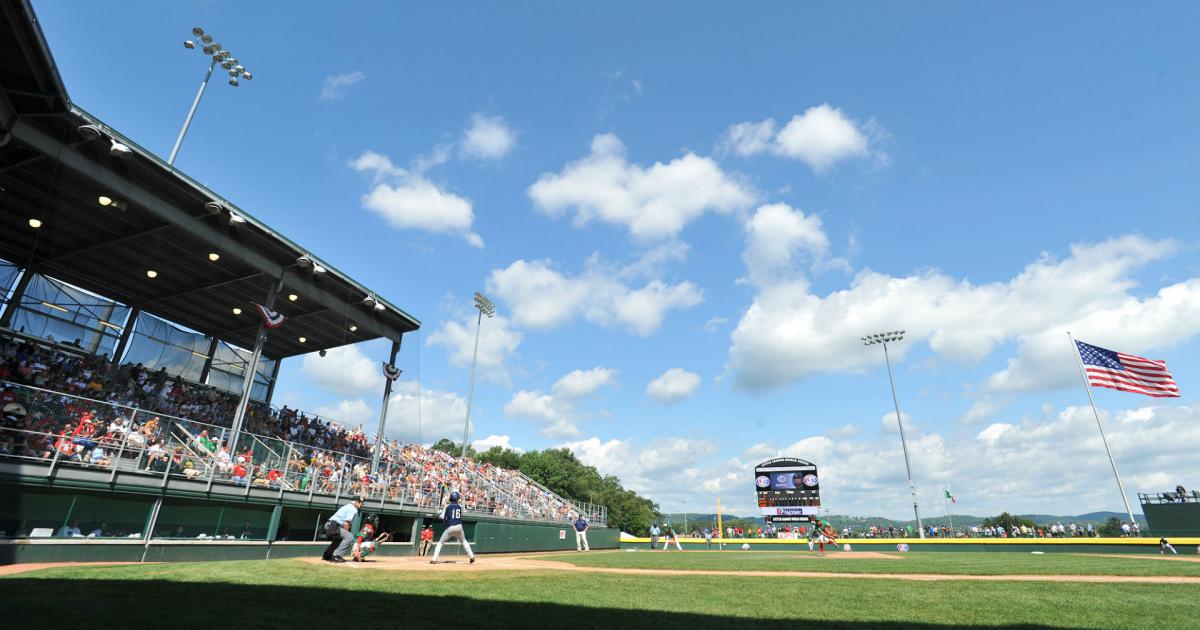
pixel 295 594
pixel 951 563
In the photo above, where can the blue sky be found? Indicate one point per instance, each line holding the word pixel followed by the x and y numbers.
pixel 688 214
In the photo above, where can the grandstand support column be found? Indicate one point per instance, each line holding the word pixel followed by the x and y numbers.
pixel 383 410
pixel 274 379
pixel 14 302
pixel 251 368
pixel 122 344
pixel 212 352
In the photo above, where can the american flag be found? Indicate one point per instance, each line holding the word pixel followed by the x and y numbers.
pixel 1126 372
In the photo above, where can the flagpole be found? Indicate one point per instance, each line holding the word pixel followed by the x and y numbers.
pixel 946 500
pixel 1088 388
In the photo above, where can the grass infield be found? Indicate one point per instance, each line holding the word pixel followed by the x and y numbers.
pixel 294 594
pixel 947 563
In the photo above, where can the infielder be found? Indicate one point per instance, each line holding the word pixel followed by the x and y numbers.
pixel 1163 546
pixel 671 538
pixel 454 529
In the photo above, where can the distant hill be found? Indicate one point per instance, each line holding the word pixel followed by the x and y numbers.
pixel 697 520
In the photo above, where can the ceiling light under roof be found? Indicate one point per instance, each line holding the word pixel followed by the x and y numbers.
pixel 35 223
pixel 150 273
pixel 237 311
pixel 292 297
pixel 353 327
pixel 302 339
pixel 104 200
pixel 214 256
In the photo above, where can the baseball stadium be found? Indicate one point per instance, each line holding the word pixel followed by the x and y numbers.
pixel 149 474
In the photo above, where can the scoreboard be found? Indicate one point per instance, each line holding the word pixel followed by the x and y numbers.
pixel 789 490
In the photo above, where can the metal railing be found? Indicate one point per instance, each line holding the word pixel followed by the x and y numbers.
pixel 1178 496
pixel 65 430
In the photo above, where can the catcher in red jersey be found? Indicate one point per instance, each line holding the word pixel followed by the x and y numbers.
pixel 367 542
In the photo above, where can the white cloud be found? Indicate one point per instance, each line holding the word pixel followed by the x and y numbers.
pixel 820 137
pixel 652 202
pixel 409 201
pixel 541 297
pixel 344 371
pixel 675 384
pixel 775 234
pixel 498 343
pixel 488 442
pixel 558 412
pixel 333 88
pixel 888 423
pixel 714 323
pixel 581 383
pixel 441 413
pixel 662 469
pixel 488 138
pixel 789 332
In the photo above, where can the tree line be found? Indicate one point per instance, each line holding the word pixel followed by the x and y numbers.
pixel 560 471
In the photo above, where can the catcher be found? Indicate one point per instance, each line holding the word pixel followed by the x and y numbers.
pixel 367 543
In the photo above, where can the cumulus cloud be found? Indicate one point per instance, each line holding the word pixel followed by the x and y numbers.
pixel 558 412
pixel 488 138
pixel 789 332
pixel 440 415
pixel 776 234
pixel 409 201
pixel 820 137
pixel 652 203
pixel 503 441
pixel 335 84
pixel 543 297
pixel 1053 463
pixel 673 385
pixel 345 371
pixel 498 343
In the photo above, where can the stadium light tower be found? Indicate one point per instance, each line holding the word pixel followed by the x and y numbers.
pixel 219 56
pixel 485 307
pixel 884 338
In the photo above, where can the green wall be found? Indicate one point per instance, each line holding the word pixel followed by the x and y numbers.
pixel 1173 519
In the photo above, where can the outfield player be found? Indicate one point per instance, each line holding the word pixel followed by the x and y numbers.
pixel 454 529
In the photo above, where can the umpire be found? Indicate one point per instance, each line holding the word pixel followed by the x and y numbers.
pixel 337 528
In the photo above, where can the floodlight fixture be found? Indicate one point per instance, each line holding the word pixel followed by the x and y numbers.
pixel 104 200
pixel 884 338
pixel 218 56
pixel 237 311
pixel 370 301
pixel 247 76
pixel 302 339
pixel 214 256
pixel 150 273
pixel 353 327
pixel 35 223
pixel 292 297
pixel 484 305
pixel 236 219
pixel 215 207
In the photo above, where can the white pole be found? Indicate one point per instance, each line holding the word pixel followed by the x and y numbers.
pixel 946 500
pixel 471 387
pixel 1088 388
pixel 903 442
pixel 187 122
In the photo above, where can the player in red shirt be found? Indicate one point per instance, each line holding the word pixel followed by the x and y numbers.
pixel 367 543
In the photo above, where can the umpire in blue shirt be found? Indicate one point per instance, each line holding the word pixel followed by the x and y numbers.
pixel 337 529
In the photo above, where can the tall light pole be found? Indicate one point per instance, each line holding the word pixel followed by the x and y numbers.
pixel 685 529
pixel 884 338
pixel 485 307
pixel 227 62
